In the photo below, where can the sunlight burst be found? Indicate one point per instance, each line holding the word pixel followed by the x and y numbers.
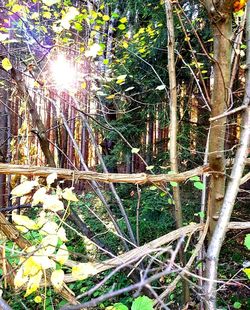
pixel 64 74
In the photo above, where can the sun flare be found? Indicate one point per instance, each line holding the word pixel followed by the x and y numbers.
pixel 64 74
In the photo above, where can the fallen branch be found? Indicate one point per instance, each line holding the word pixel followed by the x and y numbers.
pixel 134 178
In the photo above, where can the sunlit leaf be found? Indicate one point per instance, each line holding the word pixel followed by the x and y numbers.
pixel 150 167
pixel 106 18
pixel 105 61
pixel 135 150
pixel 42 259
pixel 20 279
pixel 174 184
pixel 62 234
pixel 247 241
pixel 93 50
pixel 50 2
pixel 25 221
pixel 195 178
pixel 129 88
pixel 31 267
pixel 142 302
pixel 3 36
pixel 123 20
pixel 69 195
pixel 122 27
pixel 51 178
pixel 38 299
pixel 57 278
pixel 247 272
pixel 199 185
pixel 49 228
pixel 33 284
pixel 83 271
pixel 161 87
pixel 39 196
pixel 49 244
pixel 110 96
pixel 24 188
pixel 52 203
pixel 62 254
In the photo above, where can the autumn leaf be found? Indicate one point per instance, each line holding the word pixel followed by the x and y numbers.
pixel 34 283
pixel 57 278
pixel 51 178
pixel 62 254
pixel 6 64
pixel 20 279
pixel 83 271
pixel 23 188
pixel 69 195
pixel 52 203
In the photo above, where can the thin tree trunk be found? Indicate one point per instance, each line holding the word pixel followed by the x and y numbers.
pixel 231 192
pixel 174 129
pixel 222 34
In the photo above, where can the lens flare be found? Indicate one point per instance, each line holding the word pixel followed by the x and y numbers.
pixel 63 73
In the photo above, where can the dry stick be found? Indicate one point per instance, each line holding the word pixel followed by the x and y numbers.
pixel 93 182
pixel 174 129
pixel 196 251
pixel 113 190
pixel 133 178
pixel 231 192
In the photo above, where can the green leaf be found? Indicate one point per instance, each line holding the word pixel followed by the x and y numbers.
pixel 174 184
pixel 142 303
pixel 105 61
pixel 237 305
pixel 195 178
pixel 122 27
pixel 199 185
pixel 120 306
pixel 115 15
pixel 6 64
pixel 247 241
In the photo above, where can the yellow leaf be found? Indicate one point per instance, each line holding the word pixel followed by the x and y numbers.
pixel 123 20
pixel 39 196
pixel 93 14
pixel 52 203
pixel 110 96
pixel 6 64
pixel 23 220
pixel 62 234
pixel 51 178
pixel 31 267
pixel 57 278
pixel 20 279
pixel 38 299
pixel 49 228
pixel 125 44
pixel 105 18
pixel 41 258
pixel 62 254
pixel 84 85
pixel 69 195
pixel 24 188
pixel 49 244
pixel 83 271
pixel 51 2
pixel 33 283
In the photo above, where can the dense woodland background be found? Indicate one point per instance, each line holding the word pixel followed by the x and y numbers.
pixel 125 126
